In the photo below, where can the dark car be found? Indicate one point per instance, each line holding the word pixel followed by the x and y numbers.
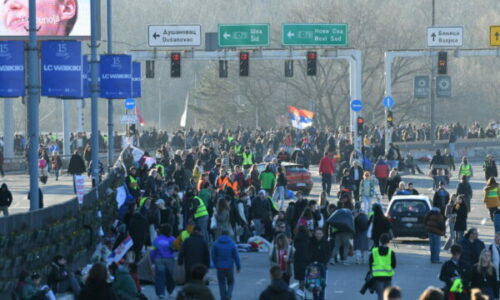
pixel 298 177
pixel 406 214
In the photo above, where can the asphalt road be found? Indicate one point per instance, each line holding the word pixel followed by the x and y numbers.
pixel 414 271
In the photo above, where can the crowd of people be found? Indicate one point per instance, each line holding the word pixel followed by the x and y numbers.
pixel 192 200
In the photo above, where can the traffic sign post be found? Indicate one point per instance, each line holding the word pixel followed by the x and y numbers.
pixel 314 34
pixel 129 103
pixel 356 105
pixel 243 35
pixel 388 102
pixel 445 36
pixel 421 87
pixel 174 35
pixel 494 35
pixel 443 86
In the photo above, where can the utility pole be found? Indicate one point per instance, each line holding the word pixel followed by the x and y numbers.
pixel 94 89
pixel 33 99
pixel 433 81
pixel 111 140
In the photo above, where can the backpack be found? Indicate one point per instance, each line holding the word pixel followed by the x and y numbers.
pixel 42 163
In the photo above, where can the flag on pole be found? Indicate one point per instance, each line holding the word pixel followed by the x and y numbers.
pixel 300 118
pixel 139 116
pixel 184 114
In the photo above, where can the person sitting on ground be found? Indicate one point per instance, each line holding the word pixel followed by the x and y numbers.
pixel 196 287
pixel 30 288
pixel 60 279
pixel 123 285
pixel 278 289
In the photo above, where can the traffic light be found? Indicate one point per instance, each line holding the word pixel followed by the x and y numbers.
pixel 175 64
pixel 222 68
pixel 312 58
pixel 442 63
pixel 150 69
pixel 289 68
pixel 390 119
pixel 244 63
pixel 361 122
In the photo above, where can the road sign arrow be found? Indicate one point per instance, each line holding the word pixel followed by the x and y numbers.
pixel 226 35
pixel 156 35
pixel 290 34
pixel 433 35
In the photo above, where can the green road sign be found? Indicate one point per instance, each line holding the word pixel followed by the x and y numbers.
pixel 314 34
pixel 243 35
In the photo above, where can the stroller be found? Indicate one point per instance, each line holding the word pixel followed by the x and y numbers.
pixel 315 282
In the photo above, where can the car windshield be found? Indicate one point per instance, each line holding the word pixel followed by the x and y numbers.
pixel 404 206
pixel 295 169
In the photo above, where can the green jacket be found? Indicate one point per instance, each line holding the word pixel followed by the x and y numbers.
pixel 267 180
pixel 124 285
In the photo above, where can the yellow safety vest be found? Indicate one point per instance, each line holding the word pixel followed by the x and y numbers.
pixel 237 150
pixel 274 204
pixel 465 170
pixel 457 286
pixel 184 235
pixel 133 183
pixel 142 201
pixel 162 169
pixel 201 210
pixel 247 159
pixel 493 193
pixel 381 266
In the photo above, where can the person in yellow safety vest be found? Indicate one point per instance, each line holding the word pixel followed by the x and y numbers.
pixel 452 273
pixel 465 169
pixel 161 169
pixel 492 196
pixel 382 265
pixel 247 158
pixel 132 182
pixel 183 236
pixel 201 216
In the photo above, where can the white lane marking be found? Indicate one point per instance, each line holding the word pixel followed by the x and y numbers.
pixel 338 292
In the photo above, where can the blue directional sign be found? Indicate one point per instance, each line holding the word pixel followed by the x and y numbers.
pixel 62 69
pixel 136 79
pixel 130 103
pixel 11 68
pixel 388 102
pixel 116 76
pixel 356 105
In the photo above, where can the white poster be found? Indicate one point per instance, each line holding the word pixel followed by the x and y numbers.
pixel 121 196
pixel 80 187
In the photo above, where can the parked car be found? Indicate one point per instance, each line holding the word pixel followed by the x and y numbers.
pixel 298 177
pixel 407 213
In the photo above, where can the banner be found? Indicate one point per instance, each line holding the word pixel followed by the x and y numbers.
pixel 136 79
pixel 62 69
pixel 11 69
pixel 80 187
pixel 116 76
pixel 120 251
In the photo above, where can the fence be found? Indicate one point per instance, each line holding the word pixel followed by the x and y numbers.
pixel 30 240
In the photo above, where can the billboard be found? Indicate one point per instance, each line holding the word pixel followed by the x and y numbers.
pixel 61 19
pixel 116 76
pixel 11 69
pixel 136 79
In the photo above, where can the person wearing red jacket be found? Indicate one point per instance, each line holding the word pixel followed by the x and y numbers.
pixel 326 170
pixel 381 171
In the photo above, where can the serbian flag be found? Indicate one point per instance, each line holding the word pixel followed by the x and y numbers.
pixel 300 118
pixel 140 118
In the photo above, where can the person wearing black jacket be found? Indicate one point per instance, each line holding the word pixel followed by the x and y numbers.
pixel 356 173
pixel 194 251
pixel 138 227
pixel 302 256
pixel 453 269
pixel 320 249
pixel 60 279
pixel 76 167
pixel 5 199
pixel 484 275
pixel 464 188
pixel 278 289
pixel 490 167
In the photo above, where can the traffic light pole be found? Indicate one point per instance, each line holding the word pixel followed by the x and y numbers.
pixel 111 140
pixel 94 89
pixel 353 56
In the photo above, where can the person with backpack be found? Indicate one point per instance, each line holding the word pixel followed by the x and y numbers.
pixel 367 191
pixel 441 198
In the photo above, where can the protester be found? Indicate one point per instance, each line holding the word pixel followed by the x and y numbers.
pixel 453 274
pixel 194 252
pixel 379 224
pixel 326 171
pixel 435 226
pixel 96 286
pixel 222 216
pixel 76 167
pixel 381 171
pixel 56 164
pixel 367 191
pixel 484 275
pixel 196 287
pixel 382 265
pixel 280 189
pixel 225 257
pixel 492 196
pixel 123 284
pixel 460 211
pixel 60 279
pixel 392 183
pixel 5 199
pixel 282 255
pixel 465 169
pixel 471 248
pixel 432 293
pixel 490 167
pixel 441 198
pixel 30 288
pixel 360 241
pixel 451 218
pixel 163 260
pixel 302 256
pixel 392 293
pixel 278 289
pixel 464 188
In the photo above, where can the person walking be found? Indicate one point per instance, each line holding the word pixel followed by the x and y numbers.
pixel 495 254
pixel 460 211
pixel 357 175
pixel 360 241
pixel 222 217
pixel 492 196
pixel 225 257
pixel 392 183
pixel 260 212
pixel 393 156
pixel 471 249
pixel 282 255
pixel 484 276
pixel 76 167
pixel 490 167
pixel 465 169
pixel 453 273
pixel 382 265
pixel 326 171
pixel 464 188
pixel 435 226
pixel 280 190
pixel 194 251
pixel 367 191
pixel 267 180
pixel 163 260
pixel 5 199
pixel 381 171
pixel 56 164
pixel 450 218
pixel 200 213
pixel 320 253
pixel 196 287
pixel 441 198
pixel 278 289
pixel 302 257
pixel 379 224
